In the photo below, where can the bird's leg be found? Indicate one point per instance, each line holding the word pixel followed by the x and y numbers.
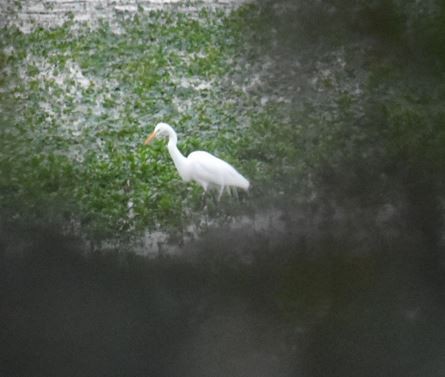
pixel 221 190
pixel 205 208
pixel 235 193
pixel 182 238
pixel 204 200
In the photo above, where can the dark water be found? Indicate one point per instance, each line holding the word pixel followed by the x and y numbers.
pixel 346 297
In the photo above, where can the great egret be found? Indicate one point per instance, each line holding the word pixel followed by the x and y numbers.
pixel 199 166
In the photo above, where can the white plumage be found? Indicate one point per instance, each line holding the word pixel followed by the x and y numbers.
pixel 199 166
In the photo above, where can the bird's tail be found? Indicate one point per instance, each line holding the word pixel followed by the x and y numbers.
pixel 234 178
pixel 243 183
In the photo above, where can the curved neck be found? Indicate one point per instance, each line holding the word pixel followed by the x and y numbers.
pixel 178 158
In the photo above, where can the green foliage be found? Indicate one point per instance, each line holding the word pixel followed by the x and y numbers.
pixel 80 101
pixel 346 101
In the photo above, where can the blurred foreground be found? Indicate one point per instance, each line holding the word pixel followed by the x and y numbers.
pixel 342 297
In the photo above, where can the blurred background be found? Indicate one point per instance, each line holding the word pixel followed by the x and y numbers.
pixel 331 265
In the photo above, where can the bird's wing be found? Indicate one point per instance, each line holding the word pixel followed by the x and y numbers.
pixel 208 168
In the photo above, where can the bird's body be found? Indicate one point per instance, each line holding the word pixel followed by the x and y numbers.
pixel 201 167
pixel 208 169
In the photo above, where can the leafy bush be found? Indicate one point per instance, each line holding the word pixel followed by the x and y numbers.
pixel 80 102
pixel 327 101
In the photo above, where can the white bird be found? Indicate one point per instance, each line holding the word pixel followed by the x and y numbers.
pixel 199 166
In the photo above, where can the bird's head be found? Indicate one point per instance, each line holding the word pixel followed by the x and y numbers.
pixel 161 130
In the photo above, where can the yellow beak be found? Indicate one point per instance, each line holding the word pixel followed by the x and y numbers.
pixel 150 138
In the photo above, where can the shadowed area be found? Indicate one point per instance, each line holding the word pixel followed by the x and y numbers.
pixel 315 304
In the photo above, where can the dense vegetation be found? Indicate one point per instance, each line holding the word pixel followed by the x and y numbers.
pixel 329 100
pixel 362 120
pixel 81 101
